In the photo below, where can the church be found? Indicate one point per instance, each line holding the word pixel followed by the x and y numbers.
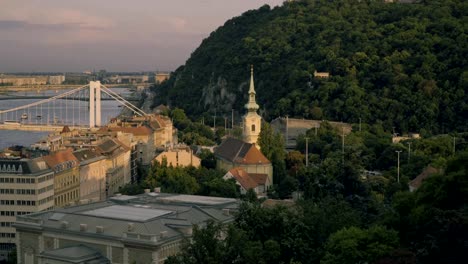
pixel 245 154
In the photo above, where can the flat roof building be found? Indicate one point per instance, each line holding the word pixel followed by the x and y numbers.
pixel 125 229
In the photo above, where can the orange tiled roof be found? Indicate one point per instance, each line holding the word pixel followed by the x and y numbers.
pixel 238 151
pixel 61 157
pixel 243 178
pixel 255 156
pixel 259 178
pixel 137 131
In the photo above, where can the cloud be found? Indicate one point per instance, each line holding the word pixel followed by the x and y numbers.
pixel 177 23
pixel 16 25
pixel 56 26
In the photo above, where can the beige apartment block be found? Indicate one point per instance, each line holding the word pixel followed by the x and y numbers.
pixel 117 164
pixel 179 157
pixel 150 133
pixel 26 186
pixel 67 177
pixel 143 141
pixel 92 174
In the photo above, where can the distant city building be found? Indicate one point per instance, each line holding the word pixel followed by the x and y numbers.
pixel 23 80
pixel 26 186
pixel 161 77
pixel 58 79
pixel 125 229
pixel 130 79
pixel 179 157
pixel 291 128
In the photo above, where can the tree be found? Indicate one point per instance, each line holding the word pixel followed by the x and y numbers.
pixel 204 247
pixel 355 245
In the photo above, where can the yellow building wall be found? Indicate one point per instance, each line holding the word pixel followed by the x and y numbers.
pixel 67 187
pixel 93 180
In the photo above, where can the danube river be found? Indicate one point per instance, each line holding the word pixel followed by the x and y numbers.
pixel 109 108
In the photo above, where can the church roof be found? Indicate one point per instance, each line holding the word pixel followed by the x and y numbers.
pixel 238 151
pixel 243 178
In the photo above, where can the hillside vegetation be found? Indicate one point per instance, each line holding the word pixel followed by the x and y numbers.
pixel 404 65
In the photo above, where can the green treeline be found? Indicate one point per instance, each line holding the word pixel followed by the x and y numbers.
pixel 343 219
pixel 402 65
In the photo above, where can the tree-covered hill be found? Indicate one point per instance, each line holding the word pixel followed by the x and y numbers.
pixel 404 65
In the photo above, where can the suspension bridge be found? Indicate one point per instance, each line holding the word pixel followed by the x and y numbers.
pixel 79 108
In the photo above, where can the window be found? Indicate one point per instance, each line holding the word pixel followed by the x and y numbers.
pixel 253 128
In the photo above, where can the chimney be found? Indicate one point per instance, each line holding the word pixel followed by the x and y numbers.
pixel 64 224
pixel 99 229
pixel 226 212
pixel 131 227
pixel 147 190
pixel 163 234
pixel 157 189
pixel 83 227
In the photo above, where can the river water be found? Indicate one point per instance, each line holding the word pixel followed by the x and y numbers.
pixel 109 109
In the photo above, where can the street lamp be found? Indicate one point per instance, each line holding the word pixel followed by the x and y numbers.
pixel 307 151
pixel 409 151
pixel 398 168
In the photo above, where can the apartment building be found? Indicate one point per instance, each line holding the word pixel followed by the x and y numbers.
pixel 26 186
pixel 117 164
pixel 67 177
pixel 92 174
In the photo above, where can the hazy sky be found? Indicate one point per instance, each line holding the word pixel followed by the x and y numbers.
pixel 117 35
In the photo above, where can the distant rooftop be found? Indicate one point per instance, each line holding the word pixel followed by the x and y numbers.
pixel 149 218
pixel 130 213
pixel 197 199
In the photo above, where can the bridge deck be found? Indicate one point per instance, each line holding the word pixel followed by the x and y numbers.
pixel 51 128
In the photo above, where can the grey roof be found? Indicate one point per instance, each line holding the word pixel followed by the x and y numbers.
pixel 30 167
pixel 84 155
pixel 75 254
pixel 108 146
pixel 130 213
pixel 150 219
pixel 232 149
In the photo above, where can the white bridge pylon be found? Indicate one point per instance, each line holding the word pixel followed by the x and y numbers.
pixel 95 94
pixel 95 103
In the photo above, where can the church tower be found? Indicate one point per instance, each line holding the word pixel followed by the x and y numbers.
pixel 252 121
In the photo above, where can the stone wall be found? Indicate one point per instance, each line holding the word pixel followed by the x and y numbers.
pixel 139 256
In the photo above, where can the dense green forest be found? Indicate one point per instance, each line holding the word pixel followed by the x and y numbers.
pixel 401 65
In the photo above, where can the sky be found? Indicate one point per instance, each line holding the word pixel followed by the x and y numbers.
pixel 116 35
